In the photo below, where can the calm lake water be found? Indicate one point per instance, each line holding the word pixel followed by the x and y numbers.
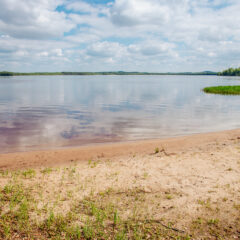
pixel 42 112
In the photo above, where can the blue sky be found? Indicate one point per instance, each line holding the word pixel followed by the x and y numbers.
pixel 128 35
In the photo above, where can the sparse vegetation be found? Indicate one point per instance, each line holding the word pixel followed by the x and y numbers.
pixel 94 217
pixel 111 214
pixel 169 196
pixel 156 150
pixel 30 173
pixel 108 199
pixel 46 170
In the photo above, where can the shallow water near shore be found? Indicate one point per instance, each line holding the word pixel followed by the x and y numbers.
pixel 44 112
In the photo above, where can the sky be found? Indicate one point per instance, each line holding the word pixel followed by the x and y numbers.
pixel 119 35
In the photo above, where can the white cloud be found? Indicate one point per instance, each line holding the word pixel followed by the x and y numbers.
pixel 81 7
pixel 106 50
pixel 84 7
pixel 150 48
pixel 211 54
pixel 43 54
pixel 34 19
pixel 58 52
pixel 21 53
pixel 135 12
pixel 144 35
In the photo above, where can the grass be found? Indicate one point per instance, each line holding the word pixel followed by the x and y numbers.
pixel 29 209
pixel 224 90
pixel 46 170
pixel 30 173
pixel 156 150
pixel 94 217
pixel 99 216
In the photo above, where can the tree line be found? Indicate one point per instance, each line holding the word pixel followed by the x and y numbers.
pixel 230 72
pixel 227 72
pixel 6 73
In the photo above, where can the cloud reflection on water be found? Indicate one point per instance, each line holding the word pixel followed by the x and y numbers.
pixel 47 112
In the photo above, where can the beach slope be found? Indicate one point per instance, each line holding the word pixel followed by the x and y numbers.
pixel 179 188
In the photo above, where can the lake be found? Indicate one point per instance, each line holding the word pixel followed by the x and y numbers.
pixel 45 112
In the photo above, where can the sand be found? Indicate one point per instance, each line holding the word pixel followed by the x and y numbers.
pixel 65 156
pixel 191 181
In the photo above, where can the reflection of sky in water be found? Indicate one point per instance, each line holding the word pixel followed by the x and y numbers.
pixel 54 111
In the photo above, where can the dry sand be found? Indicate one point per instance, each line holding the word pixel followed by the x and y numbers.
pixel 193 181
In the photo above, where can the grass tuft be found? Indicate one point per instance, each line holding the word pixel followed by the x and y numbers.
pixel 30 173
pixel 156 150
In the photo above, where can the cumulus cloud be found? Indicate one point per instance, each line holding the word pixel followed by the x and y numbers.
pixel 135 12
pixel 81 7
pixel 84 7
pixel 150 48
pixel 58 52
pixel 106 49
pixel 43 54
pixel 32 19
pixel 148 35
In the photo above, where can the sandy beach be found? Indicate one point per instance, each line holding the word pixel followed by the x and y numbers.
pixel 179 188
pixel 66 156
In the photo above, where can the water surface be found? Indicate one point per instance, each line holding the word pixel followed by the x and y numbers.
pixel 43 112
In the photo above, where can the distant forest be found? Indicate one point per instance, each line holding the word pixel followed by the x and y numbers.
pixel 6 73
pixel 230 72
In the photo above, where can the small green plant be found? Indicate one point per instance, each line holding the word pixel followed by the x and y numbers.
pixel 46 170
pixel 50 219
pixel 213 221
pixel 199 221
pixel 115 218
pixel 237 206
pixel 13 194
pixel 156 150
pixel 92 164
pixel 205 203
pixel 88 231
pixel 30 173
pixel 4 173
pixel 7 231
pixel 145 175
pixel 74 233
pixel 169 196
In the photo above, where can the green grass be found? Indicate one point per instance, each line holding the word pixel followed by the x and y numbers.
pixel 30 173
pixel 95 217
pixel 114 213
pixel 224 90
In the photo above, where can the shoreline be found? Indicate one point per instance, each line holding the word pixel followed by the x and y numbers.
pixel 176 188
pixel 111 73
pixel 70 155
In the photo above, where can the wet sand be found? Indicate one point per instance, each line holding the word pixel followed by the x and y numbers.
pixel 65 156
